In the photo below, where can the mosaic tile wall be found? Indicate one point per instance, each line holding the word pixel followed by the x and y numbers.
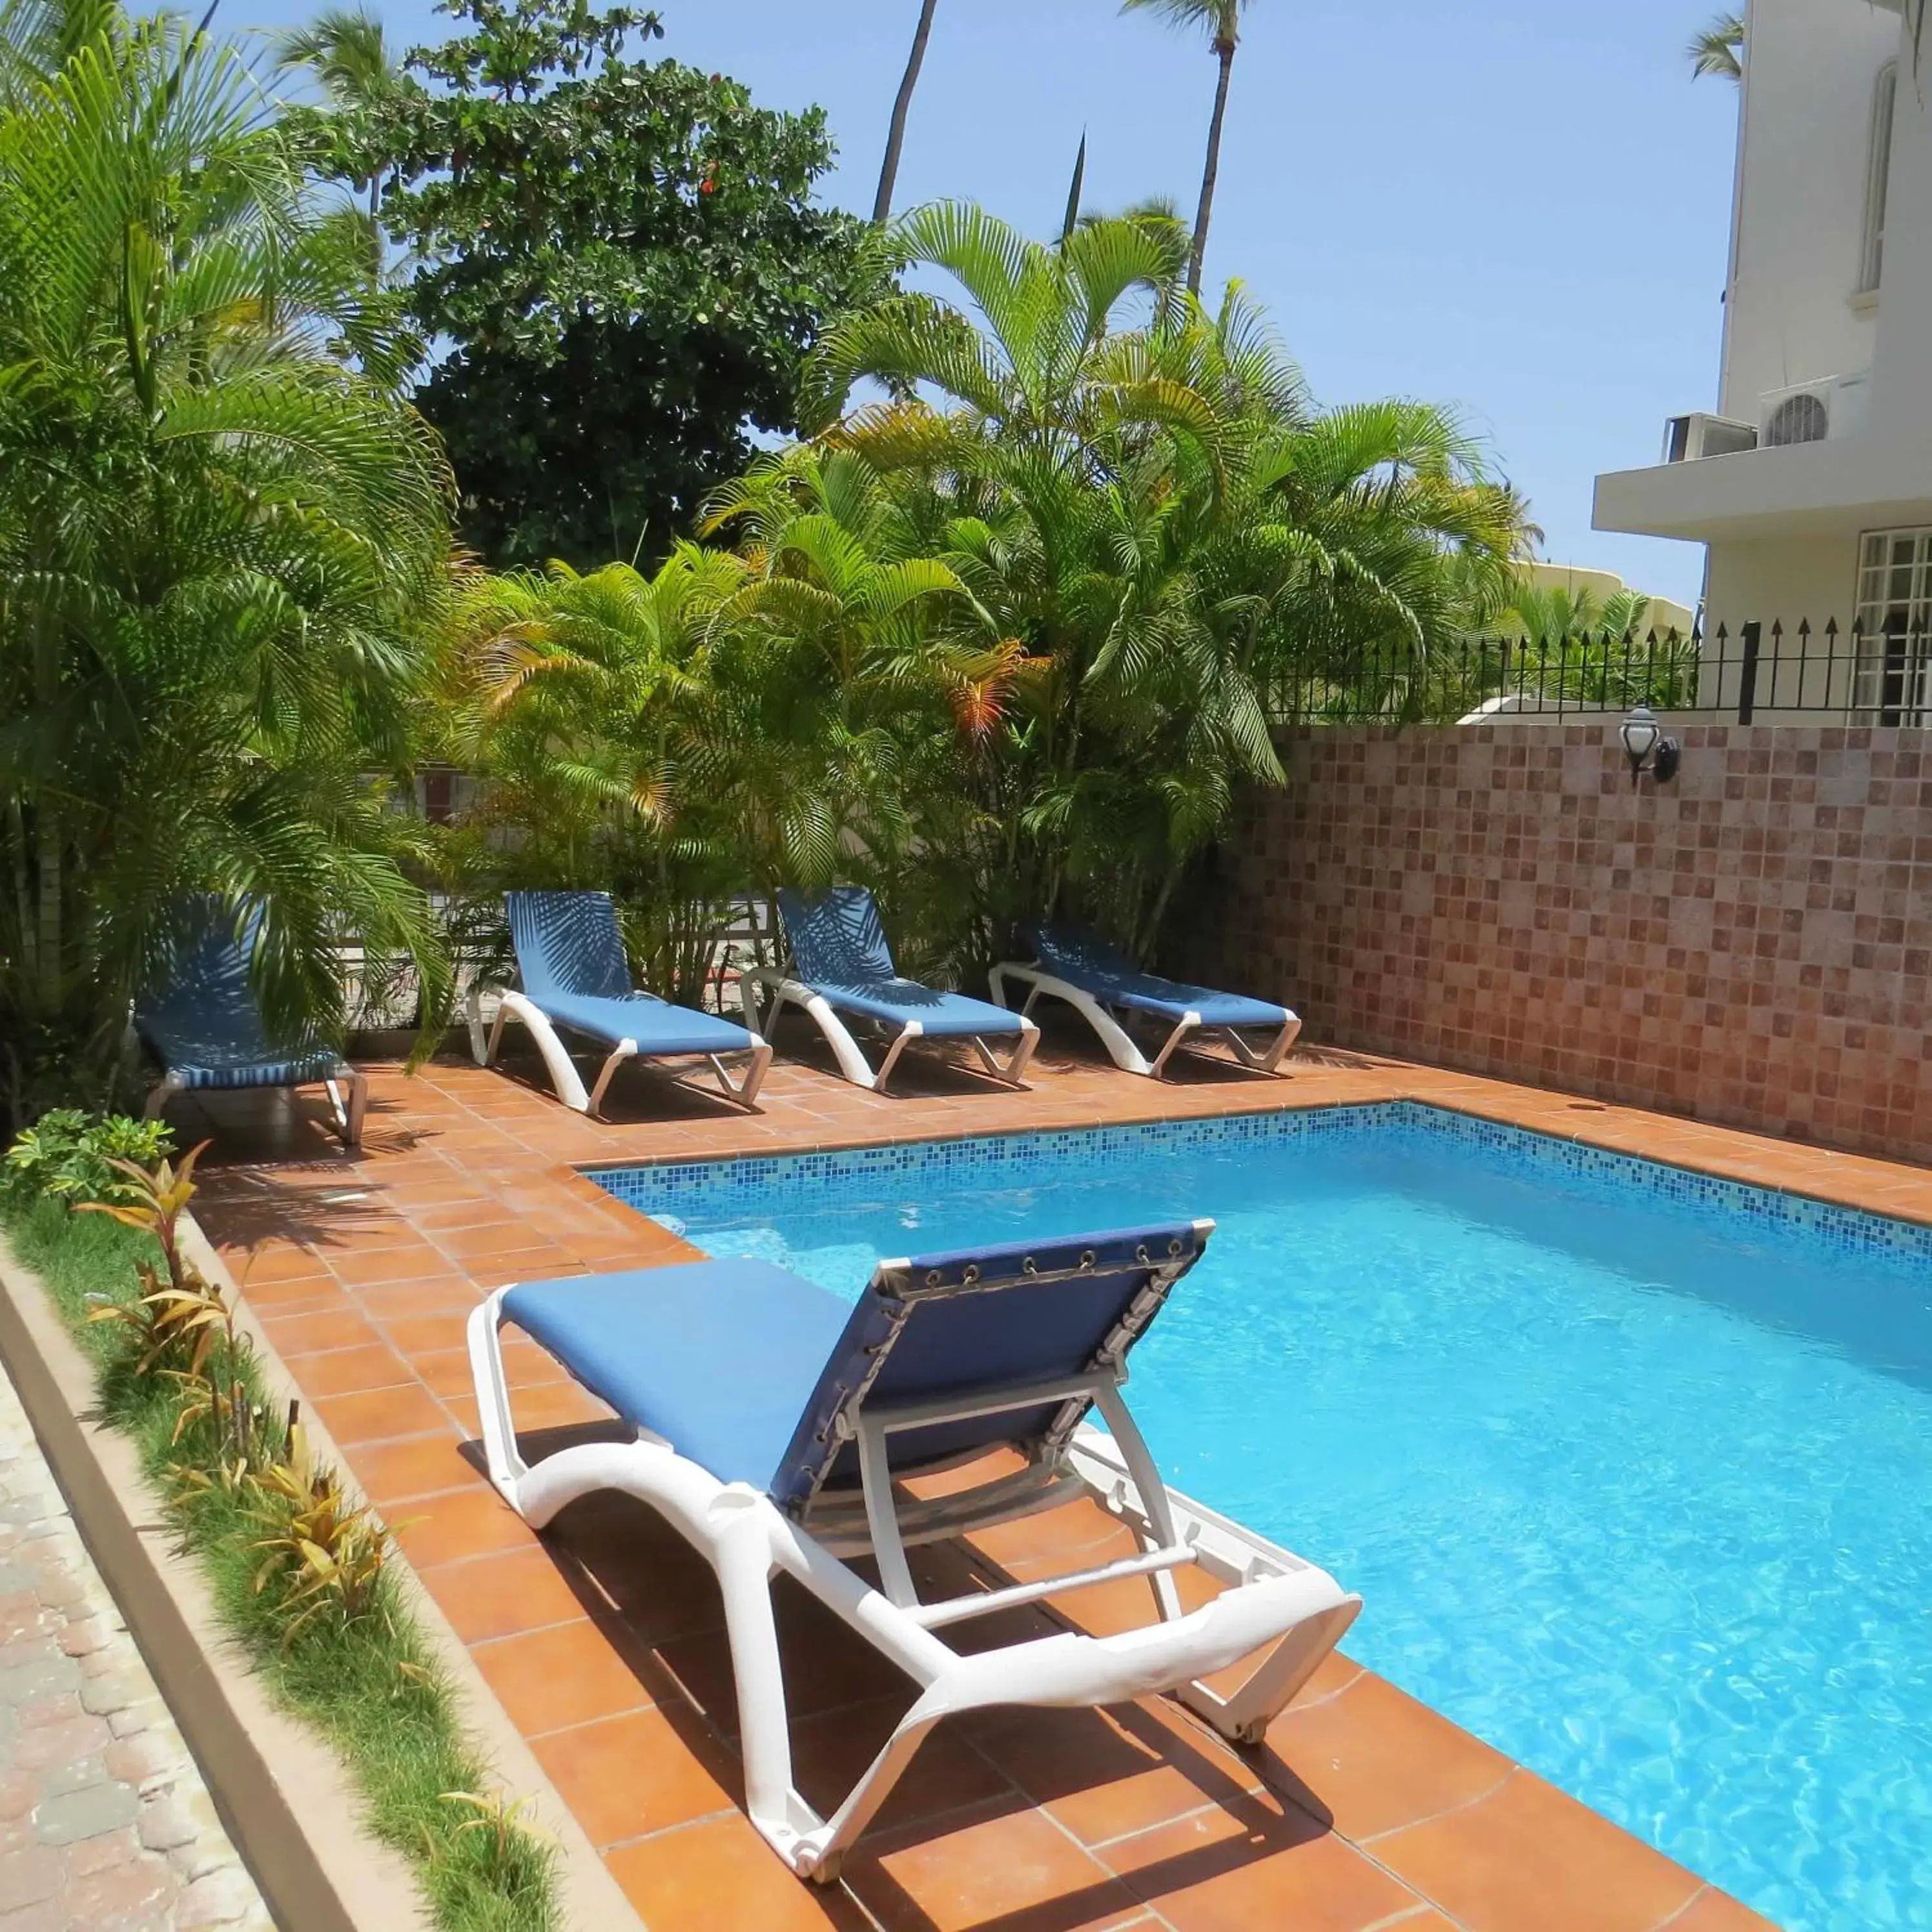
pixel 1749 944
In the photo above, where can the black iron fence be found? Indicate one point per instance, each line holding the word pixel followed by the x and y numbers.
pixel 1758 672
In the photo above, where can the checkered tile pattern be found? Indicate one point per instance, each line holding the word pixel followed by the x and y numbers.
pixel 1749 944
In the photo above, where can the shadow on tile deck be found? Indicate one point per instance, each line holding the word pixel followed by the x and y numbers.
pixel 603 1640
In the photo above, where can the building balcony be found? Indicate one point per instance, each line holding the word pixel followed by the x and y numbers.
pixel 1848 483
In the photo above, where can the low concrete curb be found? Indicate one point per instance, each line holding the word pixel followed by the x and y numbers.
pixel 285 1799
pixel 591 1899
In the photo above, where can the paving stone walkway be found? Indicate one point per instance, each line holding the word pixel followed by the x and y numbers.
pixel 105 1823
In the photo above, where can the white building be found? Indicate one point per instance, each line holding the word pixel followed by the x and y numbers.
pixel 1811 482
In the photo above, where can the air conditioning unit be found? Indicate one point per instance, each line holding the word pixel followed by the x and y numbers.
pixel 1835 407
pixel 1689 439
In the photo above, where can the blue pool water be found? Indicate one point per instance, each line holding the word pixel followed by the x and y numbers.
pixel 1633 1470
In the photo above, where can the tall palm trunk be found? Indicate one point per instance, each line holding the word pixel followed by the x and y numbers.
pixel 48 950
pixel 889 171
pixel 1224 51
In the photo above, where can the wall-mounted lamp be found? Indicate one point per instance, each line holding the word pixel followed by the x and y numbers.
pixel 1647 748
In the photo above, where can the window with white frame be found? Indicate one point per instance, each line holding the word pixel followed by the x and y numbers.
pixel 1892 681
pixel 1878 175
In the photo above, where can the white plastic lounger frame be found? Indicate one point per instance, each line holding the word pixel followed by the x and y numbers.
pixel 347 1088
pixel 757 982
pixel 563 1069
pixel 1114 1037
pixel 1286 1610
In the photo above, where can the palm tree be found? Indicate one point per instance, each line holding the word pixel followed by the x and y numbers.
pixel 584 706
pixel 1717 48
pixel 346 49
pixel 1222 19
pixel 221 527
pixel 889 169
pixel 1157 527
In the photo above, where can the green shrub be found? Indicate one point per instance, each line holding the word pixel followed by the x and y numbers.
pixel 70 1154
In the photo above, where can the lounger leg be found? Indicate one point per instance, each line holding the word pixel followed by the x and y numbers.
pixel 1270 1057
pixel 1114 1037
pixel 1015 1067
pixel 1243 1718
pixel 1185 1025
pixel 749 987
pixel 744 1091
pixel 563 1069
pixel 163 1091
pixel 350 1110
pixel 482 1047
pixel 622 1052
pixel 742 1555
pixel 506 1467
pixel 852 1063
pixel 910 1031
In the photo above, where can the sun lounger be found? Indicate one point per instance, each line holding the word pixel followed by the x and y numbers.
pixel 842 969
pixel 1108 991
pixel 202 1021
pixel 774 1423
pixel 571 959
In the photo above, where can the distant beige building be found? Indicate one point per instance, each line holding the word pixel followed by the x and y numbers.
pixel 1661 614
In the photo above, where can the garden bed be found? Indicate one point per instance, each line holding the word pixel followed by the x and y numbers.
pixel 330 1714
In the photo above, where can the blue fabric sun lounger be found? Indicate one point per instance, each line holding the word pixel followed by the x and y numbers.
pixel 779 1428
pixel 842 969
pixel 202 1021
pixel 570 957
pixel 1108 990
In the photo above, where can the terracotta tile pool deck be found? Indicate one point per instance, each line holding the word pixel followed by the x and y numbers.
pixel 603 1640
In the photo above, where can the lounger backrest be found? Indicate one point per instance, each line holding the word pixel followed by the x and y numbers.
pixel 993 1318
pixel 200 1000
pixel 835 936
pixel 1073 950
pixel 568 943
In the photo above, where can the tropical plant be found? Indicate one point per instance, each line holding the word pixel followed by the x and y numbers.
pixel 1150 523
pixel 180 1315
pixel 583 705
pixel 347 51
pixel 889 168
pixel 1577 648
pixel 501 1823
pixel 1717 48
pixel 221 531
pixel 1222 19
pixel 1549 612
pixel 323 1553
pixel 73 1155
pixel 1002 642
pixel 622 259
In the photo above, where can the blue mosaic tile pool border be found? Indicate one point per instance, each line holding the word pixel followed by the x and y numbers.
pixel 696 1189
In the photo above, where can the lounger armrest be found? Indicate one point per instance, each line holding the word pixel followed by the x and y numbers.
pixel 1075 1671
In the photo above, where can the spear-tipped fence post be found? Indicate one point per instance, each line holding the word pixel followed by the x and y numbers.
pixel 1747 680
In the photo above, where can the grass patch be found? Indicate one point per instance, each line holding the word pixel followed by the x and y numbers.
pixel 363 1675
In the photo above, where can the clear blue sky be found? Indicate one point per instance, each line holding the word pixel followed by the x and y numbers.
pixel 1517 209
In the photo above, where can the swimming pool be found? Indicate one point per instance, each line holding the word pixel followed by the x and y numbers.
pixel 1632 1467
